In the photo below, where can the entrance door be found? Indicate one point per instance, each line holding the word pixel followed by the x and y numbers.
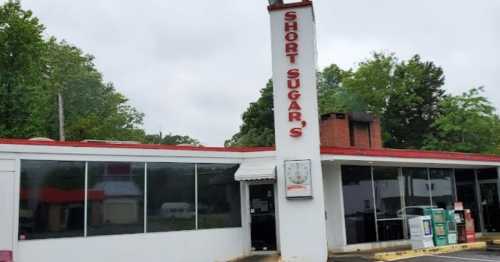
pixel 263 223
pixel 491 206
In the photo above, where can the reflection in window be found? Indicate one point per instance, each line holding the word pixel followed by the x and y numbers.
pixel 388 202
pixel 387 192
pixel 51 199
pixel 121 209
pixel 416 188
pixel 171 197
pixel 441 188
pixel 358 204
pixel 390 230
pixel 218 196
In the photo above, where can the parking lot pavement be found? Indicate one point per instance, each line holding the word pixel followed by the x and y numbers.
pixel 464 256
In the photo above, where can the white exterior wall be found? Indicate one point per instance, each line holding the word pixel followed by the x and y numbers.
pixel 7 208
pixel 334 206
pixel 201 245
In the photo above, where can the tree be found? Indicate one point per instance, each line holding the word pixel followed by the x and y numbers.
pixel 468 123
pixel 333 96
pixel 92 109
pixel 171 139
pixel 258 122
pixel 369 86
pixel 405 95
pixel 412 103
pixel 21 68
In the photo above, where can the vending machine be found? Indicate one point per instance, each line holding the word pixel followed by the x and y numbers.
pixel 470 231
pixel 451 227
pixel 439 225
pixel 421 232
pixel 460 221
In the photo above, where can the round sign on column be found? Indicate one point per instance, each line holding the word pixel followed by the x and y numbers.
pixel 298 179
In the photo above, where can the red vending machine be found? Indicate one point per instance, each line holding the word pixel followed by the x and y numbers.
pixel 460 220
pixel 470 231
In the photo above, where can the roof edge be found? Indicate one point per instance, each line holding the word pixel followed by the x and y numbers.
pixel 78 144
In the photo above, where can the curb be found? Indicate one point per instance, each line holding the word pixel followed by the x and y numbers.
pixel 393 256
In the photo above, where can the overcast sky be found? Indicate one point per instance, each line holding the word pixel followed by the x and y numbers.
pixel 194 66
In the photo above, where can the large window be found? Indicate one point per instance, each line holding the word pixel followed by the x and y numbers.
pixel 171 197
pixel 387 188
pixel 416 187
pixel 121 209
pixel 218 196
pixel 52 198
pixel 78 199
pixel 379 200
pixel 441 188
pixel 358 204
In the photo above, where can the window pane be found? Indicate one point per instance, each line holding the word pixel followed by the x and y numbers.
pixel 466 193
pixel 441 188
pixel 390 230
pixel 171 197
pixel 358 204
pixel 387 193
pixel 416 188
pixel 115 198
pixel 490 201
pixel 51 199
pixel 487 174
pixel 218 196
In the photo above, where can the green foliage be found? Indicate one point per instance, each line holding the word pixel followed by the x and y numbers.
pixel 333 96
pixel 92 108
pixel 258 122
pixel 468 123
pixel 171 139
pixel 370 84
pixel 412 103
pixel 21 68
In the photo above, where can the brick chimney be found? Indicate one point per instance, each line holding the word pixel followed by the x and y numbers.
pixel 360 130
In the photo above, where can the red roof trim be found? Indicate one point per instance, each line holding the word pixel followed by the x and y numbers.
pixel 289 6
pixel 396 153
pixel 132 146
pixel 403 153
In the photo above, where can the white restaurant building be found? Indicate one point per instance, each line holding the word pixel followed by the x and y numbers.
pixel 108 201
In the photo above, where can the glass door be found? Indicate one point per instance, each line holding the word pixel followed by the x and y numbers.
pixel 389 204
pixel 262 215
pixel 490 206
pixel 465 180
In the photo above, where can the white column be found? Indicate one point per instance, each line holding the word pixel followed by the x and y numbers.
pixel 7 197
pixel 301 221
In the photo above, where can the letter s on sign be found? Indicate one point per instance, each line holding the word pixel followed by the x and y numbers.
pixel 296 132
pixel 290 16
pixel 293 73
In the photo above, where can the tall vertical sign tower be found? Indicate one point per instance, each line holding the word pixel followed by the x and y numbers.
pixel 299 177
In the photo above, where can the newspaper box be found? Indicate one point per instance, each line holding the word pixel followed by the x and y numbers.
pixel 421 232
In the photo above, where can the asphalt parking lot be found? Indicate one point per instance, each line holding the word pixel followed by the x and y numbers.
pixel 472 256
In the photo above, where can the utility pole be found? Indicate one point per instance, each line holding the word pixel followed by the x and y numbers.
pixel 61 116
